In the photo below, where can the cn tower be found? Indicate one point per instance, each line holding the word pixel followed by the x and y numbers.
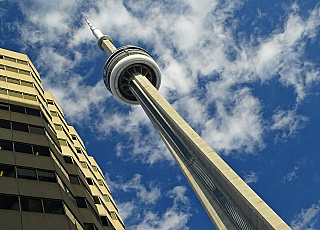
pixel 133 77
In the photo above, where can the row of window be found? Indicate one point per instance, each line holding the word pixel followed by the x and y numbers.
pixel 20 109
pixel 13 60
pixel 18 94
pixel 15 70
pixel 27 173
pixel 16 81
pixel 31 204
pixel 21 127
pixel 24 148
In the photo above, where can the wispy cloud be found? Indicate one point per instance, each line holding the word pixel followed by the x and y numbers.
pixel 307 218
pixel 252 177
pixel 291 175
pixel 141 211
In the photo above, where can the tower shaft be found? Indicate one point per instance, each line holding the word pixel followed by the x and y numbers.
pixel 227 199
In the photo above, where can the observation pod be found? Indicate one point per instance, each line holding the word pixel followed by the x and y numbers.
pixel 121 67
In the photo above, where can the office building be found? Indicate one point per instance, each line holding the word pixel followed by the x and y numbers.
pixel 47 179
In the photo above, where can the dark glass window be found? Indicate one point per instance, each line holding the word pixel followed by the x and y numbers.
pixel 31 204
pixel 36 129
pixel 4 106
pixel 18 109
pixel 81 202
pixel 46 176
pixel 74 179
pixel 50 102
pixel 89 180
pixel 5 124
pixel 20 127
pixel 74 137
pixel 6 145
pixel 68 159
pixel 7 170
pixel 53 206
pixel 96 200
pixel 33 112
pixel 89 226
pixel 9 202
pixel 23 148
pixel 105 221
pixel 79 150
pixel 29 174
pixel 42 151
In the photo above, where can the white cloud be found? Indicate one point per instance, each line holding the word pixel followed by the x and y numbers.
pixel 141 212
pixel 291 175
pixel 288 121
pixel 251 178
pixel 307 218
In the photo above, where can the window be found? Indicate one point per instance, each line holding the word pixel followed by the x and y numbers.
pixel 14 81
pixel 58 127
pixel 105 221
pixel 5 124
pixel 106 198
pixel 20 127
pixel 95 168
pixel 63 142
pixel 90 181
pixel 11 69
pixel 33 112
pixel 81 202
pixel 30 97
pixel 31 204
pixel 6 145
pixel 79 150
pixel 28 84
pixel 22 62
pixel 10 59
pixel 3 91
pixel 100 182
pixel 84 164
pixel 24 173
pixel 68 159
pixel 7 171
pixel 42 151
pixel 15 94
pixel 9 202
pixel 24 72
pixel 50 102
pixel 113 215
pixel 89 226
pixel 54 113
pixel 96 200
pixel 46 176
pixel 23 148
pixel 74 137
pixel 4 106
pixel 17 109
pixel 2 78
pixel 74 179
pixel 36 129
pixel 53 206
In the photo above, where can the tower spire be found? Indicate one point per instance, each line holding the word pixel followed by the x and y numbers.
pixel 104 41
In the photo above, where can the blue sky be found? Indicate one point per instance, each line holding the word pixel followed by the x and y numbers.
pixel 244 74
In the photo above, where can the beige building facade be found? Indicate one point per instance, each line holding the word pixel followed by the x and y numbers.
pixel 47 179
